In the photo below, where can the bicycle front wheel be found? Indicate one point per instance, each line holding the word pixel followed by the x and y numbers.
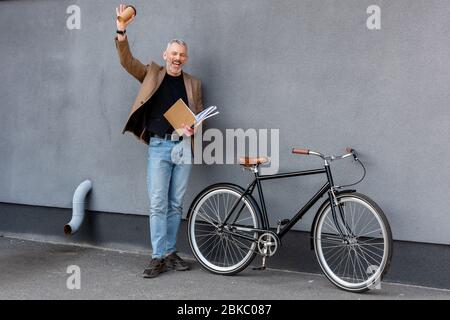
pixel 354 246
pixel 223 248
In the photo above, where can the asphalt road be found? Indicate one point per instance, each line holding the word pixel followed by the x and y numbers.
pixel 37 270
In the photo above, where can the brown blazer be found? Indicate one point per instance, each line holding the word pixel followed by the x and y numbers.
pixel 151 76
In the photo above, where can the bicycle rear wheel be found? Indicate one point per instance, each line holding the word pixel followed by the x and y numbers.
pixel 354 247
pixel 219 247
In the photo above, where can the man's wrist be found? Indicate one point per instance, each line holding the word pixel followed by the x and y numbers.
pixel 121 32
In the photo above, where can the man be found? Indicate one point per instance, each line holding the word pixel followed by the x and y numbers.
pixel 166 180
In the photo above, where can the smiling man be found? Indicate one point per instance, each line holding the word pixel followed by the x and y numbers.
pixel 161 87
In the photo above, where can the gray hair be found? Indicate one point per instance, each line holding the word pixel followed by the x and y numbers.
pixel 179 41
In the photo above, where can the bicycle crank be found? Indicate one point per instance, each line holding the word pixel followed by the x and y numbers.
pixel 267 246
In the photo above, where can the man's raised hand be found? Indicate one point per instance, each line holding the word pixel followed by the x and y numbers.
pixel 121 26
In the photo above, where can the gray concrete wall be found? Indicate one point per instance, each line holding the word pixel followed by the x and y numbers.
pixel 311 69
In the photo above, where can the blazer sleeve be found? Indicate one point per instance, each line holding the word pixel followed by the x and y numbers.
pixel 198 108
pixel 199 98
pixel 131 64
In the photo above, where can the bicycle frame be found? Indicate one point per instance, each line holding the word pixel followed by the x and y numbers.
pixel 327 187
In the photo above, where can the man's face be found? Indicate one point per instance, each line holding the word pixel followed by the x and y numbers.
pixel 175 57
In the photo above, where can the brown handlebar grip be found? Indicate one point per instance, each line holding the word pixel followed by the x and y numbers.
pixel 300 151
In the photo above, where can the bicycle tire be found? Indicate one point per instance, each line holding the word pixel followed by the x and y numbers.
pixel 219 252
pixel 370 260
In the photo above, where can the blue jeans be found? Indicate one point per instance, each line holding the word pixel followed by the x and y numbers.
pixel 166 184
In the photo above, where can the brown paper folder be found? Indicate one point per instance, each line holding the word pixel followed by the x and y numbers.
pixel 178 114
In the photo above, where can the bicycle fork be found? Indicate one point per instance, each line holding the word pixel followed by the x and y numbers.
pixel 334 203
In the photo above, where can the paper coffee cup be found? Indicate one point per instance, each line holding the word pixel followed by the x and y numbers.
pixel 127 14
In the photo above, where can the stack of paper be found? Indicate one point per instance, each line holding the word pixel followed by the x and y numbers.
pixel 205 114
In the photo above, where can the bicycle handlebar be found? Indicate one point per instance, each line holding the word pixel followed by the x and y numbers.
pixel 327 159
pixel 300 151
pixel 350 152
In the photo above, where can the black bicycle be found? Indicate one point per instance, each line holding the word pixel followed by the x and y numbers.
pixel 349 234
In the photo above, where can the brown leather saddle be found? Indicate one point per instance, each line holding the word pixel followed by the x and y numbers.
pixel 253 161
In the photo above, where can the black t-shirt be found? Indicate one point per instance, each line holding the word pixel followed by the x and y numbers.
pixel 170 90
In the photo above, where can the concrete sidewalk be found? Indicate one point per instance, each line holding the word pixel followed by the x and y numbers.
pixel 37 270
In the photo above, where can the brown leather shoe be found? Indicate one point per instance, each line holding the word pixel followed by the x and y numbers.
pixel 155 268
pixel 173 261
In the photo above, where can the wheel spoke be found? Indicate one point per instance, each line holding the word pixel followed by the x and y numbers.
pixel 371 252
pixel 207 219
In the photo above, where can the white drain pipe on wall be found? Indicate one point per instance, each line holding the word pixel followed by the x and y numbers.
pixel 78 207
